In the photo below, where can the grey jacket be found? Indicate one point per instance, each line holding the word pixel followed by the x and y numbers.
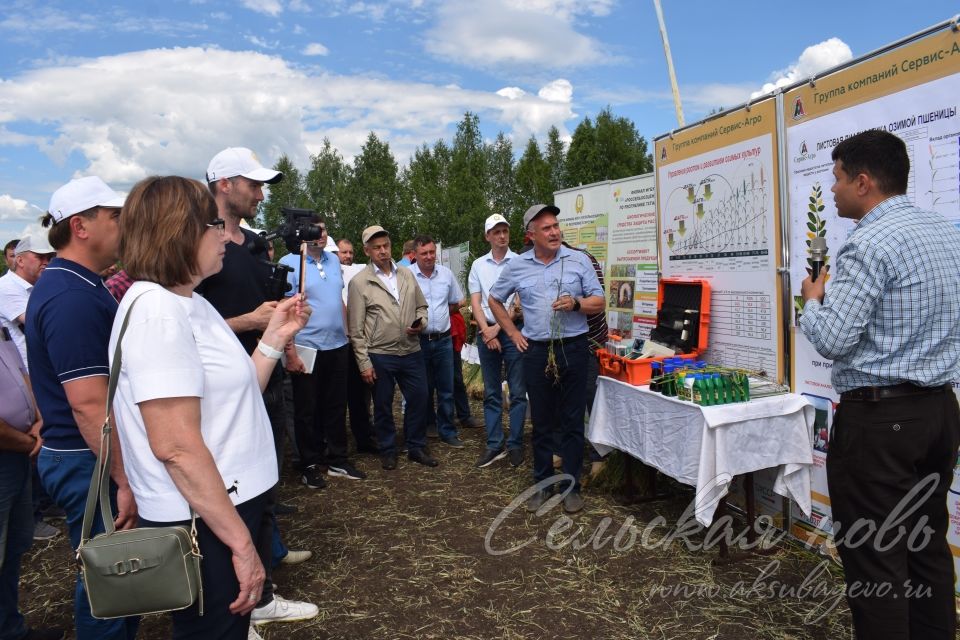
pixel 377 322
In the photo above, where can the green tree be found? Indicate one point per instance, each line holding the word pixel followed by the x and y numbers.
pixel 533 177
pixel 609 149
pixel 556 157
pixel 503 195
pixel 468 187
pixel 374 193
pixel 326 187
pixel 427 180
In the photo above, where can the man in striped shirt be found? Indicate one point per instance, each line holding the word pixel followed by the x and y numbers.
pixel 891 323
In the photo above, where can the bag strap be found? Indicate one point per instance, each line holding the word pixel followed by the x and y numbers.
pixel 100 482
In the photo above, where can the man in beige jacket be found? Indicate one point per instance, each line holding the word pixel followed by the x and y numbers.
pixel 386 312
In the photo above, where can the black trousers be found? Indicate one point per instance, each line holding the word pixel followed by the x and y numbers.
pixel 320 409
pixel 220 586
pixel 897 587
pixel 358 402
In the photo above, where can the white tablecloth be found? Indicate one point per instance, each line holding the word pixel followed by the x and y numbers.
pixel 706 447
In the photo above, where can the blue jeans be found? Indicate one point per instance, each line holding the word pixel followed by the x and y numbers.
pixel 16 535
pixel 492 364
pixel 438 360
pixel 66 477
pixel 409 373
pixel 557 405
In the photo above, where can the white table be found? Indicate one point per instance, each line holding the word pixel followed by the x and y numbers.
pixel 705 447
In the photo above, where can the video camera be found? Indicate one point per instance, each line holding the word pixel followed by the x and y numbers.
pixel 296 228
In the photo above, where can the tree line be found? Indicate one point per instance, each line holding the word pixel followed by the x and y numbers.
pixel 447 189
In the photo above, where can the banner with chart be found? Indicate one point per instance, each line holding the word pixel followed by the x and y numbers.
pixel 717 198
pixel 911 91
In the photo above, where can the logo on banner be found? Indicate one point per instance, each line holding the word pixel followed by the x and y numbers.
pixel 578 205
pixel 798 111
pixel 616 195
pixel 663 153
pixel 804 153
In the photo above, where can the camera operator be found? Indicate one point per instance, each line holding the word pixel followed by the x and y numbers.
pixel 240 293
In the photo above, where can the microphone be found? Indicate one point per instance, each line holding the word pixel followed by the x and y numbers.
pixel 818 255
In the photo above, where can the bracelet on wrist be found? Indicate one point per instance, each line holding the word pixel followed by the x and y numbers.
pixel 268 352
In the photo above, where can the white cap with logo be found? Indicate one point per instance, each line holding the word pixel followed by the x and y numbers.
pixel 82 194
pixel 493 221
pixel 240 161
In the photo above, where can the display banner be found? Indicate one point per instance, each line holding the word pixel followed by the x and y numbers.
pixel 616 221
pixel 911 91
pixel 717 198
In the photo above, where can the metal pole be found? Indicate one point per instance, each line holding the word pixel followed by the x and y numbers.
pixel 666 52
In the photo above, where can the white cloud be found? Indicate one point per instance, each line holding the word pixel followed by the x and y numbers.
pixel 372 10
pixel 15 209
pixel 484 33
pixel 813 60
pixel 260 42
pixel 190 103
pixel 299 5
pixel 315 49
pixel 268 7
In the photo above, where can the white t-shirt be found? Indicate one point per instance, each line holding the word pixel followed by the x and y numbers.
pixel 14 293
pixel 181 347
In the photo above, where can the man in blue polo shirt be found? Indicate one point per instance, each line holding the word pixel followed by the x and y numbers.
pixel 68 322
pixel 443 294
pixel 320 395
pixel 558 289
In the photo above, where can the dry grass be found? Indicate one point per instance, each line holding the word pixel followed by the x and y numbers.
pixel 401 555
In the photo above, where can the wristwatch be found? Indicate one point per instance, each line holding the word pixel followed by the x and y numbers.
pixel 576 304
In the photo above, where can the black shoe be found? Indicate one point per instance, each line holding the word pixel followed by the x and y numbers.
pixel 45 634
pixel 454 442
pixel 312 477
pixel 490 456
pixel 283 509
pixel 345 470
pixel 389 461
pixel 420 456
pixel 516 457
pixel 572 502
pixel 537 500
pixel 469 423
pixel 368 447
pixel 432 431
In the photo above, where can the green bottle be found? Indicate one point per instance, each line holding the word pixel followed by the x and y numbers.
pixel 702 390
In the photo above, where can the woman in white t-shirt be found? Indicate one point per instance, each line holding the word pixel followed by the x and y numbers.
pixel 189 410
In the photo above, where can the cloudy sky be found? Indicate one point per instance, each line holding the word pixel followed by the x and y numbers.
pixel 126 90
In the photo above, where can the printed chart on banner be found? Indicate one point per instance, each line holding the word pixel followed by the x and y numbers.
pixel 720 216
pixel 945 174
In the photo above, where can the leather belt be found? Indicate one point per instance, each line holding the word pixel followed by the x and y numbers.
pixel 902 390
pixel 582 336
pixel 435 336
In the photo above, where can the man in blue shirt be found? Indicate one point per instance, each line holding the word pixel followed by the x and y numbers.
pixel 558 289
pixel 68 322
pixel 443 294
pixel 497 352
pixel 891 323
pixel 320 395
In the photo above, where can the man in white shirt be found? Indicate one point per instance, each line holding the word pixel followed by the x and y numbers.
pixel 443 294
pixel 31 256
pixel 496 350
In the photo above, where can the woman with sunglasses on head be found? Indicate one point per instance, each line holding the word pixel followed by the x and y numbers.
pixel 188 407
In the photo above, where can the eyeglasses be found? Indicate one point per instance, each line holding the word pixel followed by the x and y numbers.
pixel 220 224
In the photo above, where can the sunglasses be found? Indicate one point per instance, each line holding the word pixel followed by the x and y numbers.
pixel 219 224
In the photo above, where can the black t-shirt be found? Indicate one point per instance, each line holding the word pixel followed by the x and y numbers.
pixel 241 286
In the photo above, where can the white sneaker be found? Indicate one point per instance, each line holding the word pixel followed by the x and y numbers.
pixel 296 557
pixel 252 634
pixel 283 610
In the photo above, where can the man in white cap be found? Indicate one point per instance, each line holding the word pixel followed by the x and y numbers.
pixel 497 352
pixel 68 322
pixel 240 294
pixel 31 256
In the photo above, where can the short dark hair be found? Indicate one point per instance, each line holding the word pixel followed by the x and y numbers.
pixel 421 240
pixel 162 222
pixel 60 234
pixel 408 246
pixel 11 245
pixel 879 154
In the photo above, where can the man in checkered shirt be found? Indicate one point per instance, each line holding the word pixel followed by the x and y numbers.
pixel 891 323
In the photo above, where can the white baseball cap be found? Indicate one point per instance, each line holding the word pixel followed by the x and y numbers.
pixel 35 244
pixel 493 221
pixel 331 246
pixel 82 194
pixel 240 161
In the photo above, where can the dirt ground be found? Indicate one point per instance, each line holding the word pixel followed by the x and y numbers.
pixel 432 553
